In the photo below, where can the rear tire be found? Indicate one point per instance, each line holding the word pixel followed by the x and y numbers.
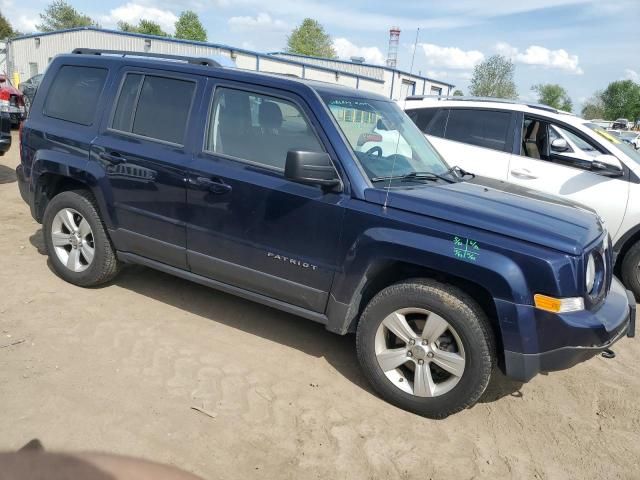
pixel 82 253
pixel 449 341
pixel 631 270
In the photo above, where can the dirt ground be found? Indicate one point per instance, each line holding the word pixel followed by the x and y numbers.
pixel 119 368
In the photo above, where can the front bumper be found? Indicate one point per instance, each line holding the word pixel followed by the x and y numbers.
pixel 575 337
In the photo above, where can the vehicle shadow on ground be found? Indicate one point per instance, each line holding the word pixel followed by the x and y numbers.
pixel 7 175
pixel 304 335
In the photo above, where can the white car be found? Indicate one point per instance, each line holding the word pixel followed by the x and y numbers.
pixel 632 138
pixel 543 149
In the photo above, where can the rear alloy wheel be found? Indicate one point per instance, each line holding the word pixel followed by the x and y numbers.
pixel 426 347
pixel 79 248
pixel 72 240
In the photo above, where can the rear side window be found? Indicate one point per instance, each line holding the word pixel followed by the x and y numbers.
pixel 439 124
pixel 74 94
pixel 422 117
pixel 484 128
pixel 154 107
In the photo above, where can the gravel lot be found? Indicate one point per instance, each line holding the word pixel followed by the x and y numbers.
pixel 119 368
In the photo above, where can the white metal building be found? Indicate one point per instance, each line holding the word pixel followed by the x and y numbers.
pixel 30 54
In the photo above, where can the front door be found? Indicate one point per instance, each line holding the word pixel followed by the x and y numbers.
pixel 142 149
pixel 568 173
pixel 248 225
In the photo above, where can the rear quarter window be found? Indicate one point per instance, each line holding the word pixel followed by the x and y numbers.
pixel 483 128
pixel 74 94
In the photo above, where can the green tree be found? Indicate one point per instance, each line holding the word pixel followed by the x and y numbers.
pixel 6 30
pixel 621 99
pixel 147 27
pixel 59 15
pixel 189 27
pixel 593 107
pixel 458 93
pixel 553 95
pixel 494 78
pixel 310 39
pixel 127 27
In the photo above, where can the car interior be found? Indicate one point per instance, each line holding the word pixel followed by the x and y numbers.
pixel 537 138
pixel 264 138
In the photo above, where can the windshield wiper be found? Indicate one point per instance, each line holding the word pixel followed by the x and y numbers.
pixel 462 173
pixel 414 176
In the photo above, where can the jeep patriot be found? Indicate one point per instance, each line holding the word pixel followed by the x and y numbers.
pixel 322 201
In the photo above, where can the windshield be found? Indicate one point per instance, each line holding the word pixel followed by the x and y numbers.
pixel 385 141
pixel 626 148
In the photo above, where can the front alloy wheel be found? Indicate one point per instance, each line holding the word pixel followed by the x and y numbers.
pixel 426 346
pixel 420 352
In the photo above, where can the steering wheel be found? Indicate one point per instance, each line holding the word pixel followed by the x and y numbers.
pixel 377 151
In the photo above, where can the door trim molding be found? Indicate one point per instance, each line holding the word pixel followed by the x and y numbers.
pixel 260 282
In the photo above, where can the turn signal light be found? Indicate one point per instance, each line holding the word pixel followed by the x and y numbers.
pixel 558 305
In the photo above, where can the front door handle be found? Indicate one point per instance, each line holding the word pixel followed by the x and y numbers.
pixel 214 185
pixel 114 158
pixel 523 173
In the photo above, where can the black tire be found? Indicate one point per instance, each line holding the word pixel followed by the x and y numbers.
pixel 462 313
pixel 630 271
pixel 105 264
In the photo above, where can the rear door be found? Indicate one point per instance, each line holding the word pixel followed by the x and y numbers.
pixel 142 148
pixel 248 225
pixel 477 140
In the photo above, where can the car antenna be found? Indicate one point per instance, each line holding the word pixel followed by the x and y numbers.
pixel 393 165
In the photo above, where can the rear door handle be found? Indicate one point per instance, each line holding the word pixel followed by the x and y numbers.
pixel 113 158
pixel 523 173
pixel 215 185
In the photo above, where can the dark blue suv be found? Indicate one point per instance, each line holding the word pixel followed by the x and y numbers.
pixel 322 201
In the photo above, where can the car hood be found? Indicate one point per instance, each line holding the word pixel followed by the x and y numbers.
pixel 503 208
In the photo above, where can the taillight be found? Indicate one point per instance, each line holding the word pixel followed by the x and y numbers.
pixel 369 137
pixel 4 100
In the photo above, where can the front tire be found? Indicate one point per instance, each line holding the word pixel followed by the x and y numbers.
pixel 426 347
pixel 76 240
pixel 631 270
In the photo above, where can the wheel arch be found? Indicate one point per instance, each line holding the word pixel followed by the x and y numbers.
pixel 622 246
pixel 370 271
pixel 51 177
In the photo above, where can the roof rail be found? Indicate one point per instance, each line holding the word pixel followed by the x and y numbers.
pixel 207 62
pixel 484 99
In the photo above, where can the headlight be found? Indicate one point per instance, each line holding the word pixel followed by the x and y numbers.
pixel 590 275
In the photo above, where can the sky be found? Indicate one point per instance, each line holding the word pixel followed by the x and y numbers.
pixel 581 44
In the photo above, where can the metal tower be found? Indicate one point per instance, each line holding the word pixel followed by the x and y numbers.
pixel 394 40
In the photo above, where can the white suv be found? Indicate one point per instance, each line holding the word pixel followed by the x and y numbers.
pixel 544 149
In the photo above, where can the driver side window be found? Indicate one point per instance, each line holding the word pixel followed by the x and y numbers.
pixel 550 142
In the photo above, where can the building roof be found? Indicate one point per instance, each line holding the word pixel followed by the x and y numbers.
pixel 271 56
pixel 372 65
pixel 292 83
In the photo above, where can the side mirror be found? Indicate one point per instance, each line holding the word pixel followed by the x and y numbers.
pixel 559 145
pixel 311 168
pixel 607 165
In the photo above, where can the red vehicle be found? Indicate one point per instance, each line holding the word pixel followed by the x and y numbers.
pixel 11 101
